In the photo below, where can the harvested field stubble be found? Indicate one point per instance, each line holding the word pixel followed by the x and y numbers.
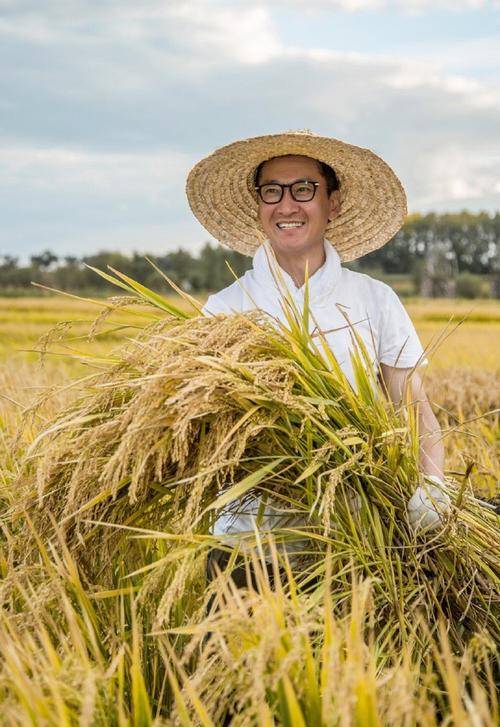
pixel 106 517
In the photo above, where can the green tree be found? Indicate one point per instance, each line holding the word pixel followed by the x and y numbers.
pixel 44 261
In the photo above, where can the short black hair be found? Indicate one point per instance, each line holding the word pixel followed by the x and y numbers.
pixel 326 171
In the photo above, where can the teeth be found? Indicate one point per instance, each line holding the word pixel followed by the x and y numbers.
pixel 285 225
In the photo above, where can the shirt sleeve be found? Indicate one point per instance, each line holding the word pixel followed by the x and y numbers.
pixel 228 300
pixel 399 344
pixel 214 305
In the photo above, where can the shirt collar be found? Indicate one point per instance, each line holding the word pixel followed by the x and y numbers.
pixel 268 273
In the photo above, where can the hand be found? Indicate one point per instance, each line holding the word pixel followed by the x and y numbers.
pixel 428 505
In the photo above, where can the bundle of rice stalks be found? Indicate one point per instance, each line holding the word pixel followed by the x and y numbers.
pixel 198 414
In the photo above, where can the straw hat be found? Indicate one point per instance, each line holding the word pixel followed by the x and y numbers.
pixel 221 194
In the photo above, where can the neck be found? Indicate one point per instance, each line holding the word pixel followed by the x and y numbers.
pixel 296 266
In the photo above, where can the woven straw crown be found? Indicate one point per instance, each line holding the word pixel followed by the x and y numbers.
pixel 221 194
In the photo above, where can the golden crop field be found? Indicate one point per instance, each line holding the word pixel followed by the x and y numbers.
pixel 471 329
pixel 103 617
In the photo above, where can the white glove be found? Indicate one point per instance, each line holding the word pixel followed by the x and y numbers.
pixel 428 505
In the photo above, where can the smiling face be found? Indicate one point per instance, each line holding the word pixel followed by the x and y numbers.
pixel 296 228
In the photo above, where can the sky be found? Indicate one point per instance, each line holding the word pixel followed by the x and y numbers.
pixel 105 105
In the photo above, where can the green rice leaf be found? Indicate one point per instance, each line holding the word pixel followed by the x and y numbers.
pixel 246 484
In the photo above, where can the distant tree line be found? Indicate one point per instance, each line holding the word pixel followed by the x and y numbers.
pixel 470 241
pixel 440 246
pixel 206 271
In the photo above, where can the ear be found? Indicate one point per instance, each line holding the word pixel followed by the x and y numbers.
pixel 334 205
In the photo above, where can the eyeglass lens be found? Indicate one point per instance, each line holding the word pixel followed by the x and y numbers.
pixel 272 193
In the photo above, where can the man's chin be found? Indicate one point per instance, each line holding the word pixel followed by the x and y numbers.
pixel 289 237
pixel 295 244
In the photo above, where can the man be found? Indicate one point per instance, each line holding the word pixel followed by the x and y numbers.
pixel 300 202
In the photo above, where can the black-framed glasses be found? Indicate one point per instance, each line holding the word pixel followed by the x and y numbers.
pixel 301 190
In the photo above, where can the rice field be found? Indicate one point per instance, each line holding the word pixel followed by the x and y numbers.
pixel 109 485
pixel 472 328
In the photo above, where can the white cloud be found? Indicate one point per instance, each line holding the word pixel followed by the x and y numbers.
pixel 152 176
pixel 75 201
pixel 457 175
pixel 417 74
pixel 107 105
pixel 244 33
pixel 213 31
pixel 404 6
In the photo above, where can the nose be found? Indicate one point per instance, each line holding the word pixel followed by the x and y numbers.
pixel 287 203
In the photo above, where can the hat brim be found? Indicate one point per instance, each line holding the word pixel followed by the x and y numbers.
pixel 221 194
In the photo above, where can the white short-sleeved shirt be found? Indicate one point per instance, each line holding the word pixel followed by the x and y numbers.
pixel 373 310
